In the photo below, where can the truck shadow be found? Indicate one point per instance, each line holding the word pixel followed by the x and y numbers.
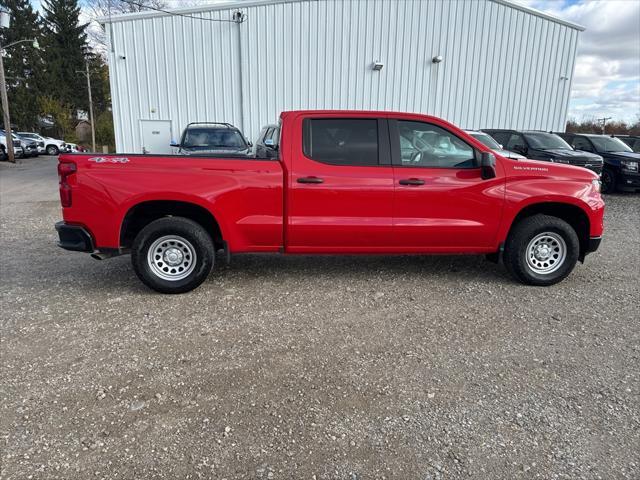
pixel 265 265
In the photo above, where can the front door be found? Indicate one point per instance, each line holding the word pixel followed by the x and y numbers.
pixel 441 202
pixel 156 136
pixel 340 186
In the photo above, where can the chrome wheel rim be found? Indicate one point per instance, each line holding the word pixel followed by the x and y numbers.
pixel 172 258
pixel 546 253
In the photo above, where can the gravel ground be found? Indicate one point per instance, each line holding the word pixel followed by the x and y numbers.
pixel 314 367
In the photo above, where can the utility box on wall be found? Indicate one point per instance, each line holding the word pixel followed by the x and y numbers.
pixel 478 64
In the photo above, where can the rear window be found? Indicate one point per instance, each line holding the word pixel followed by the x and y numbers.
pixel 213 138
pixel 341 141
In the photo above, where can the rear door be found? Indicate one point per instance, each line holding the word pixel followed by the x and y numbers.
pixel 441 202
pixel 340 195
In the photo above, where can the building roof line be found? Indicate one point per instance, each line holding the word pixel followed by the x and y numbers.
pixel 231 4
pixel 538 13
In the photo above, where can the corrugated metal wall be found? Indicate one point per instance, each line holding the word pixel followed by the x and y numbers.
pixel 502 67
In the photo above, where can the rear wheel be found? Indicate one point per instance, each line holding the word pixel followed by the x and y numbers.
pixel 173 255
pixel 608 181
pixel 52 150
pixel 541 250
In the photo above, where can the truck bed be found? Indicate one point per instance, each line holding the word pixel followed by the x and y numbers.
pixel 248 190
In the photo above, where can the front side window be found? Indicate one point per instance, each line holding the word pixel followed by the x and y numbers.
pixel 341 141
pixel 427 145
pixel 516 143
pixel 546 141
pixel 581 143
pixel 610 145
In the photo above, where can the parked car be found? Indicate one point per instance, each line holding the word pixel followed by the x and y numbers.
pixel 71 148
pixel 346 183
pixel 30 147
pixel 490 142
pixel 3 153
pixel 52 146
pixel 36 138
pixel 631 140
pixel 545 146
pixel 266 146
pixel 17 145
pixel 212 138
pixel 620 162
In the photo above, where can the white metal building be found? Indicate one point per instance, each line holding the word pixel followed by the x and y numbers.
pixel 242 62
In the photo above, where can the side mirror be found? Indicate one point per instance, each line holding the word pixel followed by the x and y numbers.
pixel 487 165
pixel 174 144
pixel 501 146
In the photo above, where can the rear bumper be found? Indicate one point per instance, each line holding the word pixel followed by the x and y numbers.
pixel 74 238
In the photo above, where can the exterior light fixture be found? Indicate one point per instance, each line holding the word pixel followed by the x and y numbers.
pixel 377 66
pixel 437 59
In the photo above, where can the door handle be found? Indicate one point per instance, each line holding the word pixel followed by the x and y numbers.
pixel 310 180
pixel 411 181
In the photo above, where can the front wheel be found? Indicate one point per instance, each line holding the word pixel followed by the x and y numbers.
pixel 608 181
pixel 173 255
pixel 52 150
pixel 541 250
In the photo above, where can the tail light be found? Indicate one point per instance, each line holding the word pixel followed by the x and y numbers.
pixel 65 169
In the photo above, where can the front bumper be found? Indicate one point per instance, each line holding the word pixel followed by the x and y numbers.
pixel 628 181
pixel 74 238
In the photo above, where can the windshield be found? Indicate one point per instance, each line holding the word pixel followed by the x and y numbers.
pixel 546 141
pixel 213 138
pixel 609 144
pixel 486 140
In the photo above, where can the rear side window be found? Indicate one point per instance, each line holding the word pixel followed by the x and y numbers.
pixel 501 137
pixel 581 143
pixel 341 141
pixel 515 142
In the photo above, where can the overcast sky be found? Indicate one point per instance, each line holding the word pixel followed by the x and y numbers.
pixel 607 75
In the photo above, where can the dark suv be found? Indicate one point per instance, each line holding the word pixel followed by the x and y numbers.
pixel 620 162
pixel 632 140
pixel 537 145
pixel 204 138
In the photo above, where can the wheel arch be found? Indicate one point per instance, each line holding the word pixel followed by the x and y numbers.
pixel 570 213
pixel 143 213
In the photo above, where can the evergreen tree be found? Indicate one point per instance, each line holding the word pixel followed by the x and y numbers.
pixel 65 50
pixel 23 63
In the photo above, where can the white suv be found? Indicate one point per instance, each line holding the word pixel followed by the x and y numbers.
pixel 48 145
pixel 17 146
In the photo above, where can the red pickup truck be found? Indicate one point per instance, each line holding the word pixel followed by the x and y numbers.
pixel 342 182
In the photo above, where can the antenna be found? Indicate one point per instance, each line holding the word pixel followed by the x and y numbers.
pixel 603 121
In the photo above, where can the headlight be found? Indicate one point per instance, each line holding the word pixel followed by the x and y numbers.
pixel 595 183
pixel 629 165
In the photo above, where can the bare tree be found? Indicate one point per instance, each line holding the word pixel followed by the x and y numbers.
pixel 96 9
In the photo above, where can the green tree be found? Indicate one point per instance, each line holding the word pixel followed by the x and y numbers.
pixel 61 114
pixel 65 50
pixel 23 63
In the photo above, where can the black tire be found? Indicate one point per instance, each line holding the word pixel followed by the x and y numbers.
pixel 52 150
pixel 189 236
pixel 518 247
pixel 608 181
